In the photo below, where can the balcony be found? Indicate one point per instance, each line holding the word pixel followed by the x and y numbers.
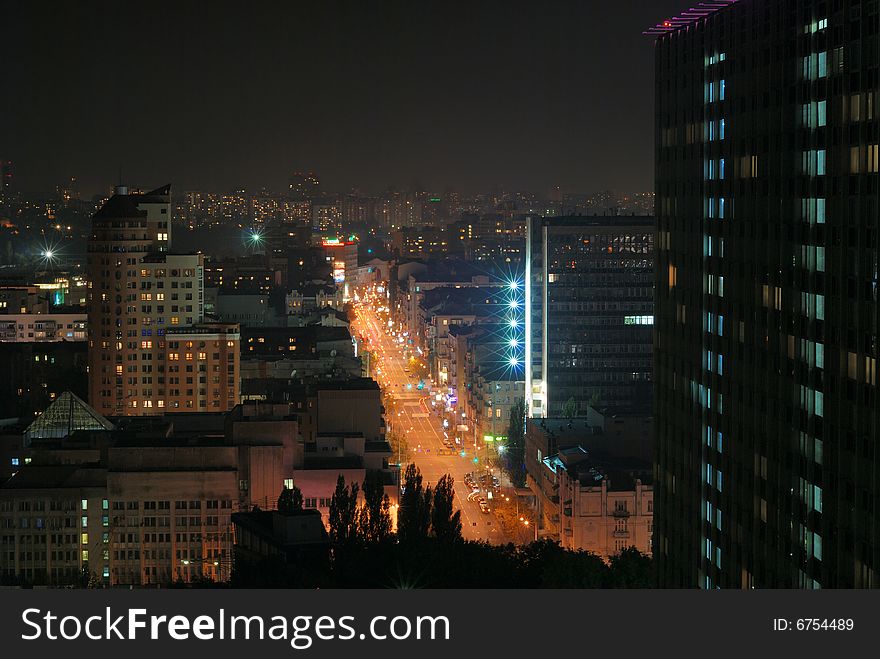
pixel 620 512
pixel 620 534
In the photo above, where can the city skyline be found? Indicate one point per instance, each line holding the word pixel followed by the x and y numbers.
pixel 364 302
pixel 194 111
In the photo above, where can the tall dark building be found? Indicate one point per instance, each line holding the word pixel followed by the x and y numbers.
pixel 588 335
pixel 766 332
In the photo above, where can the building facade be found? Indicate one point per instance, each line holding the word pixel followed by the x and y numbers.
pixel 589 310
pixel 766 333
pixel 139 292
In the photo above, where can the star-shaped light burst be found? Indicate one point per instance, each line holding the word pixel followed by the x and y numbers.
pixel 49 254
pixel 508 345
pixel 254 238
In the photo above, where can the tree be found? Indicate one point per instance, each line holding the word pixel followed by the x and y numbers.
pixel 290 501
pixel 343 512
pixel 630 568
pixel 445 524
pixel 570 409
pixel 374 517
pixel 513 458
pixel 414 515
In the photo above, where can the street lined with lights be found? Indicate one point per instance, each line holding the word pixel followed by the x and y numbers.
pixel 411 414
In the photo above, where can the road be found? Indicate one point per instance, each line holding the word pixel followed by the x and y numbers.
pixel 408 411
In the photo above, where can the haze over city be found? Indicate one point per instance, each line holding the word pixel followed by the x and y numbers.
pixel 444 295
pixel 461 95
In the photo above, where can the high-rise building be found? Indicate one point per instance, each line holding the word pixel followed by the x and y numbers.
pixel 139 295
pixel 589 311
pixel 766 333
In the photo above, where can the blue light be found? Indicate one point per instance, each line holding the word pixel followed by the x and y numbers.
pixel 514 361
pixel 513 323
pixel 514 285
pixel 514 304
pixel 514 343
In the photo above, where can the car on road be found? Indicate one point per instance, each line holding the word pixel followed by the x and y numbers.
pixel 484 508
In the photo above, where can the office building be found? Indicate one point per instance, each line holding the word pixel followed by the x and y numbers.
pixel 589 303
pixel 766 330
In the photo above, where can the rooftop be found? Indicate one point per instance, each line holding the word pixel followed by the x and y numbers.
pixel 67 414
pixel 292 530
pixel 688 17
pixel 121 206
pixel 57 476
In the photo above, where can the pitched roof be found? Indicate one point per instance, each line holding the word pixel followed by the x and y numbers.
pixel 64 416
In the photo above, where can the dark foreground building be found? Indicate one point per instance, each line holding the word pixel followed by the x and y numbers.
pixel 766 330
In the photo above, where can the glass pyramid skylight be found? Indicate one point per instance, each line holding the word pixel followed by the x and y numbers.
pixel 65 415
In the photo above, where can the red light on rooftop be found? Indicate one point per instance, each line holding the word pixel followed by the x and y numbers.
pixel 688 17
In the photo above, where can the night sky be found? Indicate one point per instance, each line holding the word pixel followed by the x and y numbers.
pixel 217 95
